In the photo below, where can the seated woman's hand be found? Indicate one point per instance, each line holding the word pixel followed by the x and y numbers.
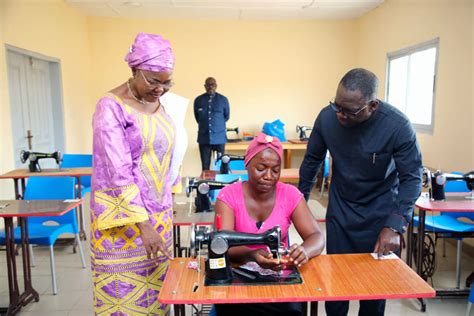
pixel 265 260
pixel 297 255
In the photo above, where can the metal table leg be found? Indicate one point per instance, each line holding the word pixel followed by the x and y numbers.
pixel 420 253
pixel 82 230
pixel 410 244
pixel 18 300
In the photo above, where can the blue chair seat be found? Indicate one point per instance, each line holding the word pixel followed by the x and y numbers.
pixel 444 224
pixel 44 235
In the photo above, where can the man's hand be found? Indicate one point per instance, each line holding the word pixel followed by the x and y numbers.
pixel 152 241
pixel 388 241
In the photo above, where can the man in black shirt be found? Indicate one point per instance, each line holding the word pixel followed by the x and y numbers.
pixel 376 175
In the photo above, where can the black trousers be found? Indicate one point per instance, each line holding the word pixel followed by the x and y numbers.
pixel 205 151
pixel 253 309
pixel 366 308
pixel 351 242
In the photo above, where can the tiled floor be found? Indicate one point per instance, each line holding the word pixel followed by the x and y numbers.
pixel 75 285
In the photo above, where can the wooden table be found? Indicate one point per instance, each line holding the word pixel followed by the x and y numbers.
pixel 23 210
pixel 22 174
pixel 325 278
pixel 288 147
pixel 183 217
pixel 455 202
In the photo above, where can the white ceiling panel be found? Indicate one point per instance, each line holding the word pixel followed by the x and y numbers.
pixel 227 9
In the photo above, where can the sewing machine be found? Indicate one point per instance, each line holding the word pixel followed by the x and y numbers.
pixel 202 187
pixel 437 180
pixel 236 130
pixel 225 160
pixel 34 158
pixel 218 269
pixel 302 130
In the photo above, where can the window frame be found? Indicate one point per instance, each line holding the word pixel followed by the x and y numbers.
pixel 434 43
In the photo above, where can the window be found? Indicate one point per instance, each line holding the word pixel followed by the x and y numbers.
pixel 411 77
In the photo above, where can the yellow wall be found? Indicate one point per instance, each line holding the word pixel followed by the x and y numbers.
pixel 401 23
pixel 268 70
pixel 54 29
pixel 6 158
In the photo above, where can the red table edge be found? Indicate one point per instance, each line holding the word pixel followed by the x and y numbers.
pixel 82 174
pixel 194 223
pixel 298 299
pixel 440 209
pixel 70 207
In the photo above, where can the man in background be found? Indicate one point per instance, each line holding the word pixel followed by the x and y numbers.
pixel 376 175
pixel 211 111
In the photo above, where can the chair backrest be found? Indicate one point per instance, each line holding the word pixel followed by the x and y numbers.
pixel 76 161
pixel 231 177
pixel 457 186
pixel 326 166
pixel 227 178
pixel 233 165
pixel 52 188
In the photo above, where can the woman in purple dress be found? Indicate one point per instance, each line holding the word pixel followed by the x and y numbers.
pixel 131 203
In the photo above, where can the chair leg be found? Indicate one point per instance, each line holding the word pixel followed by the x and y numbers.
pixel 444 247
pixel 458 263
pixel 32 256
pixel 53 270
pixel 322 187
pixel 468 311
pixel 80 251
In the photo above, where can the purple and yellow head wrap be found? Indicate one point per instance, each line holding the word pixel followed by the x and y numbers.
pixel 150 52
pixel 260 143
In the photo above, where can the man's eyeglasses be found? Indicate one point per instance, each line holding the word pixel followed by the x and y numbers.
pixel 338 109
pixel 156 84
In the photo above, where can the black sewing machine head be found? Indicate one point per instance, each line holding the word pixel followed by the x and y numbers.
pixel 202 187
pixel 438 179
pixel 34 158
pixel 218 267
pixel 302 131
pixel 225 160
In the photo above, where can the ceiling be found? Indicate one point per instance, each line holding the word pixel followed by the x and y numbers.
pixel 227 9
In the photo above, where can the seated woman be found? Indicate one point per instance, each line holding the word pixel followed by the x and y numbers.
pixel 259 204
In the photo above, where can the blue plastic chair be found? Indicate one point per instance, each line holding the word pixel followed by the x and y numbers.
pixel 77 161
pixel 325 174
pixel 41 230
pixel 470 301
pixel 448 222
pixel 233 165
pixel 227 178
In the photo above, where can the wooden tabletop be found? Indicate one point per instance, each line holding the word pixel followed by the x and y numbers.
pixel 455 202
pixel 291 175
pixel 182 216
pixel 29 208
pixel 325 278
pixel 64 172
pixel 244 145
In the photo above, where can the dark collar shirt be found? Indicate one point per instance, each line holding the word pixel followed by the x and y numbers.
pixel 376 176
pixel 211 113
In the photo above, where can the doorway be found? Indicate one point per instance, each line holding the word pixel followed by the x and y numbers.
pixel 35 90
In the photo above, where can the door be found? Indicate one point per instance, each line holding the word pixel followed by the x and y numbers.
pixel 32 107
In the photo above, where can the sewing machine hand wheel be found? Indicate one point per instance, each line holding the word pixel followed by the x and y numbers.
pixel 24 156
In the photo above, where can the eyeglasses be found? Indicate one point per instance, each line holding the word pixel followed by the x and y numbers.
pixel 338 109
pixel 156 84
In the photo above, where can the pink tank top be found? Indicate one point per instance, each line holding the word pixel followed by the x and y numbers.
pixel 287 198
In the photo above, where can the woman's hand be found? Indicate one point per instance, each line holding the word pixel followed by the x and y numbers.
pixel 265 260
pixel 297 255
pixel 152 241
